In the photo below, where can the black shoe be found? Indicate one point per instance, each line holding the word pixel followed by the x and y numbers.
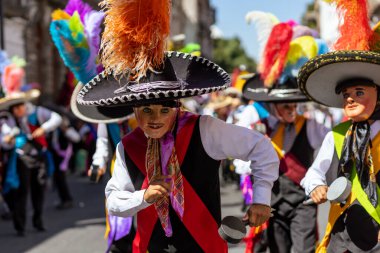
pixel 40 228
pixel 38 225
pixel 64 205
pixel 21 233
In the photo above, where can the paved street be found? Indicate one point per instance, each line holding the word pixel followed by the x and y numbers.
pixel 81 229
pixel 76 230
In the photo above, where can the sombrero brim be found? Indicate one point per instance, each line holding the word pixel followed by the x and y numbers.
pixel 98 114
pixel 319 77
pixel 199 76
pixel 18 98
pixel 254 89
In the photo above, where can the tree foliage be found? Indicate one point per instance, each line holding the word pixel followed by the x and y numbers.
pixel 229 54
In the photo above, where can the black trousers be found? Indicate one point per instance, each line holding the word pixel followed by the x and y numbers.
pixel 293 228
pixel 355 231
pixel 60 181
pixel 33 179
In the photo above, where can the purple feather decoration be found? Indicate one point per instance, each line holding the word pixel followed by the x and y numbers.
pixel 300 30
pixel 80 7
pixel 92 27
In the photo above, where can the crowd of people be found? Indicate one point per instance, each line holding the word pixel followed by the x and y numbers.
pixel 166 128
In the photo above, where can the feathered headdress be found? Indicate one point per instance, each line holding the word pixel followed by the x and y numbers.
pixel 76 34
pixel 135 35
pixel 286 46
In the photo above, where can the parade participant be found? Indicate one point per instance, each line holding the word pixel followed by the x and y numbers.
pixel 348 78
pixel 293 228
pixel 295 139
pixel 62 146
pixel 166 170
pixel 29 164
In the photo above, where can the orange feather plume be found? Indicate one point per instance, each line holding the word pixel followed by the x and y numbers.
pixel 354 27
pixel 135 35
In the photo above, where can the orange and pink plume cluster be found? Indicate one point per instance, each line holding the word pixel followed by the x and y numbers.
pixel 13 73
pixel 12 78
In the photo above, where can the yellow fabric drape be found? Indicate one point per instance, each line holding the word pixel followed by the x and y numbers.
pixel 278 137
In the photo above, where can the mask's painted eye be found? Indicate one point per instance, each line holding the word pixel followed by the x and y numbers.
pixel 147 110
pixel 359 93
pixel 165 110
pixel 346 95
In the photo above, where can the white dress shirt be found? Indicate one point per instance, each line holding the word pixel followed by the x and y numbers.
pixel 220 141
pixel 101 155
pixel 316 175
pixel 248 117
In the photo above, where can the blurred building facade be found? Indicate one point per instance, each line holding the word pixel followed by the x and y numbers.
pixel 26 33
pixel 193 19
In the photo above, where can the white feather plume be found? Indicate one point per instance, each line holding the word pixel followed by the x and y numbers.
pixel 264 22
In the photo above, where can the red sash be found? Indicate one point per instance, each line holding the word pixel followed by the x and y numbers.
pixel 40 140
pixel 197 218
pixel 292 168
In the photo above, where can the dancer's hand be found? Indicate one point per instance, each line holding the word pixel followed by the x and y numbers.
pixel 8 139
pixel 158 188
pixel 319 194
pixel 257 214
pixel 99 173
pixel 38 132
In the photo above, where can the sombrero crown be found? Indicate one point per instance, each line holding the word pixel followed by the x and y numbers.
pixel 286 47
pixel 356 56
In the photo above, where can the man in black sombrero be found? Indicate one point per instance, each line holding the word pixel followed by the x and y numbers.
pixel 348 78
pixel 166 170
pixel 295 138
pixel 24 136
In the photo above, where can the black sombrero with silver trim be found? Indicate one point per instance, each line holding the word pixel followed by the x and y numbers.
pixel 183 75
pixel 97 114
pixel 286 92
pixel 320 76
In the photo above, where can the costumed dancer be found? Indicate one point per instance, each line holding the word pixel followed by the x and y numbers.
pixel 76 33
pixel 293 228
pixel 166 170
pixel 62 146
pixel 30 162
pixel 348 78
